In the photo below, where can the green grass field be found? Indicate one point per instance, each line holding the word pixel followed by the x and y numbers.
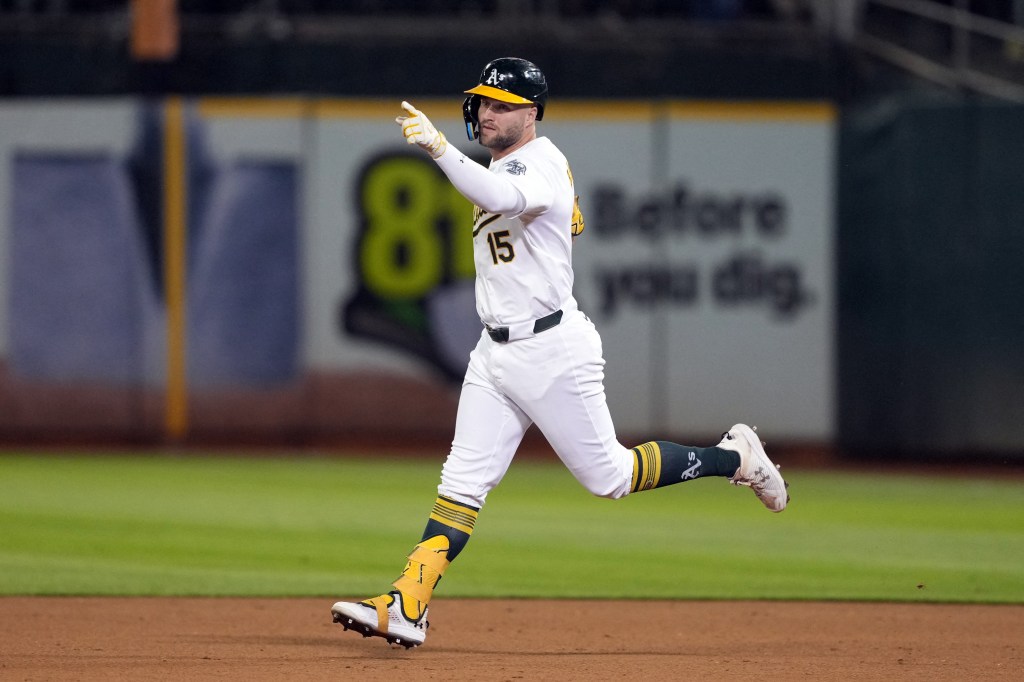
pixel 304 526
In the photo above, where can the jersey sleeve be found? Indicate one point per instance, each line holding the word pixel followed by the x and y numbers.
pixel 531 178
pixel 486 190
pixel 512 191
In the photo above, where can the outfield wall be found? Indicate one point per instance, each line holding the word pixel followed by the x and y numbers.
pixel 930 324
pixel 328 288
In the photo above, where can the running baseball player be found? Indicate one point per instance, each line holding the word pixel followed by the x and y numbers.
pixel 539 358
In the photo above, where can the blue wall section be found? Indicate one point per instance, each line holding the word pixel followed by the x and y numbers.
pixel 86 257
pixel 244 299
pixel 79 284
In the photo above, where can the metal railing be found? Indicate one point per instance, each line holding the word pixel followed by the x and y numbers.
pixel 947 44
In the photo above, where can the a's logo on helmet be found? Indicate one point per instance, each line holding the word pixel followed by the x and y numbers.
pixel 493 78
pixel 515 167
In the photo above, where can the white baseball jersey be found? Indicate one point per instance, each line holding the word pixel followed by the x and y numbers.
pixel 524 260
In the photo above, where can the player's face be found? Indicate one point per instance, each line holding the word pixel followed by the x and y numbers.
pixel 503 125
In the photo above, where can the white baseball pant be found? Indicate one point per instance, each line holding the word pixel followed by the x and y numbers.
pixel 554 379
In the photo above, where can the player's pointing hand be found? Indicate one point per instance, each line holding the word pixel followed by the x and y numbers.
pixel 418 130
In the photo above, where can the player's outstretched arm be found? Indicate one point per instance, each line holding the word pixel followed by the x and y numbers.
pixel 484 189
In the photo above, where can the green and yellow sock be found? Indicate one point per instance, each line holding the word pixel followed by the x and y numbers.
pixel 660 463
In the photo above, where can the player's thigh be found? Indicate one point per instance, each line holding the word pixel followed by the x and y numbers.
pixel 564 395
pixel 488 430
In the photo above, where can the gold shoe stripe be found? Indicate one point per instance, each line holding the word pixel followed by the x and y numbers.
pixel 414 589
pixel 381 604
pixel 430 558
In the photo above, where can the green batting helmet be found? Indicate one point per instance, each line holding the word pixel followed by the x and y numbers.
pixel 506 79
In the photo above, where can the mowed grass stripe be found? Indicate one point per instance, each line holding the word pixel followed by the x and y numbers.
pixel 300 525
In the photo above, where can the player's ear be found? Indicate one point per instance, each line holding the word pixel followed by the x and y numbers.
pixel 531 116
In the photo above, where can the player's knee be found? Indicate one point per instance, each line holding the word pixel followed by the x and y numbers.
pixel 609 478
pixel 606 489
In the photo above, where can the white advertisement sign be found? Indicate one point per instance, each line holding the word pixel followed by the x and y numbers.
pixel 706 263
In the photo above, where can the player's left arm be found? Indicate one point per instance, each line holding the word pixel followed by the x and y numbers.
pixel 576 224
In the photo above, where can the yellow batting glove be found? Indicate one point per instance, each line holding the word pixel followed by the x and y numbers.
pixel 418 130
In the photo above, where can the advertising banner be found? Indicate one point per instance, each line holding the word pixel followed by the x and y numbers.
pixel 330 262
pixel 706 263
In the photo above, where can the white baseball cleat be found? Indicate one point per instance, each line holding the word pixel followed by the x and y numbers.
pixel 756 471
pixel 382 617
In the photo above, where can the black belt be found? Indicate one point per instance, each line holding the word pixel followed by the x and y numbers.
pixel 500 334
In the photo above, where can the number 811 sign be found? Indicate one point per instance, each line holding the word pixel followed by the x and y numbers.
pixel 413 248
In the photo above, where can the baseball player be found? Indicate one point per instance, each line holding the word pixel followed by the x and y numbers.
pixel 539 358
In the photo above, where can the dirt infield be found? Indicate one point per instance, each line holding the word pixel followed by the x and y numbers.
pixel 49 638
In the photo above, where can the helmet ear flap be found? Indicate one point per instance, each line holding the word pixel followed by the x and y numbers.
pixel 469 114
